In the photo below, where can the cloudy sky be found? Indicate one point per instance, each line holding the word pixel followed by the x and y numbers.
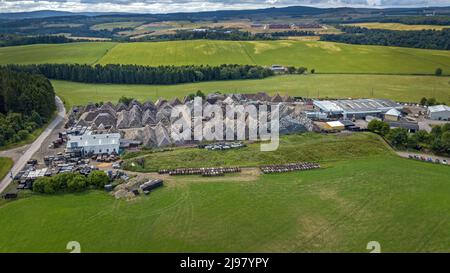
pixel 164 6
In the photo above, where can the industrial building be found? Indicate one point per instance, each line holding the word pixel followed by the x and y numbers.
pixel 94 143
pixel 392 115
pixel 439 112
pixel 357 108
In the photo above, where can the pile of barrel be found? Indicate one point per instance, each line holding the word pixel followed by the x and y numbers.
pixel 290 167
pixel 202 171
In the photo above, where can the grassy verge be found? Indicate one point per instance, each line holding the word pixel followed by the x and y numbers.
pixel 292 148
pixel 5 165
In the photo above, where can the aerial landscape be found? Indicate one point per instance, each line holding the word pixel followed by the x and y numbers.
pixel 248 127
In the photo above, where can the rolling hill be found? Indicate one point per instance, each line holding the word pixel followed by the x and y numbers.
pixel 325 57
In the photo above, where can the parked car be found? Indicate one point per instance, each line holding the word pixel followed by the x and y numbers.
pixel 444 161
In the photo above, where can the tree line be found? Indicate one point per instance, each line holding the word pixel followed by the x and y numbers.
pixel 137 74
pixel 70 182
pixel 14 40
pixel 427 39
pixel 208 34
pixel 26 103
pixel 437 141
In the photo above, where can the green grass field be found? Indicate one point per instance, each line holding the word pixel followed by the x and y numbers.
pixel 398 26
pixel 82 53
pixel 5 165
pixel 113 25
pixel 325 57
pixel 401 88
pixel 401 203
pixel 309 147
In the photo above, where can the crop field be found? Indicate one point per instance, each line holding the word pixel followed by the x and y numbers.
pixel 339 208
pixel 82 53
pixel 5 166
pixel 398 26
pixel 400 88
pixel 325 57
pixel 113 25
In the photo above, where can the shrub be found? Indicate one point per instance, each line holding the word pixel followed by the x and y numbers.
pixel 378 126
pixel 98 179
pixel 77 183
pixel 398 137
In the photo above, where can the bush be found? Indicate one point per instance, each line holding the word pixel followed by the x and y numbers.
pixel 378 127
pixel 398 137
pixel 98 179
pixel 438 71
pixel 39 184
pixel 62 179
pixel 77 184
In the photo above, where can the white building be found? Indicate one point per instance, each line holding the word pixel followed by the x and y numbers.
pixel 439 112
pixel 392 115
pixel 356 108
pixel 95 143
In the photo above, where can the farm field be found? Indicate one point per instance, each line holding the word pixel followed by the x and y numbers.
pixel 5 166
pixel 398 26
pixel 335 209
pixel 113 25
pixel 325 57
pixel 401 88
pixel 81 53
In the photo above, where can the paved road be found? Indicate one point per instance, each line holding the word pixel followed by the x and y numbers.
pixel 22 161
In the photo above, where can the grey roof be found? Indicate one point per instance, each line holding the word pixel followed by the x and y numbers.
pixel 357 105
pixel 438 108
pixel 404 124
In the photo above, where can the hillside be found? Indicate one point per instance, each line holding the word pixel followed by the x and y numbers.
pixel 325 57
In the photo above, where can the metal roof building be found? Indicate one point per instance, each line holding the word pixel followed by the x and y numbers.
pixel 357 108
pixel 95 143
pixel 439 112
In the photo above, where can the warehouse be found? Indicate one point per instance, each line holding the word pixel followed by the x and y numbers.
pixel 439 112
pixel 353 109
pixel 392 115
pixel 94 143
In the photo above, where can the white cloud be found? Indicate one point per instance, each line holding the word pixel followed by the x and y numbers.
pixel 166 6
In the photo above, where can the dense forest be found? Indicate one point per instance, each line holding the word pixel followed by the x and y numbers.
pixel 427 39
pixel 136 74
pixel 26 103
pixel 13 40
